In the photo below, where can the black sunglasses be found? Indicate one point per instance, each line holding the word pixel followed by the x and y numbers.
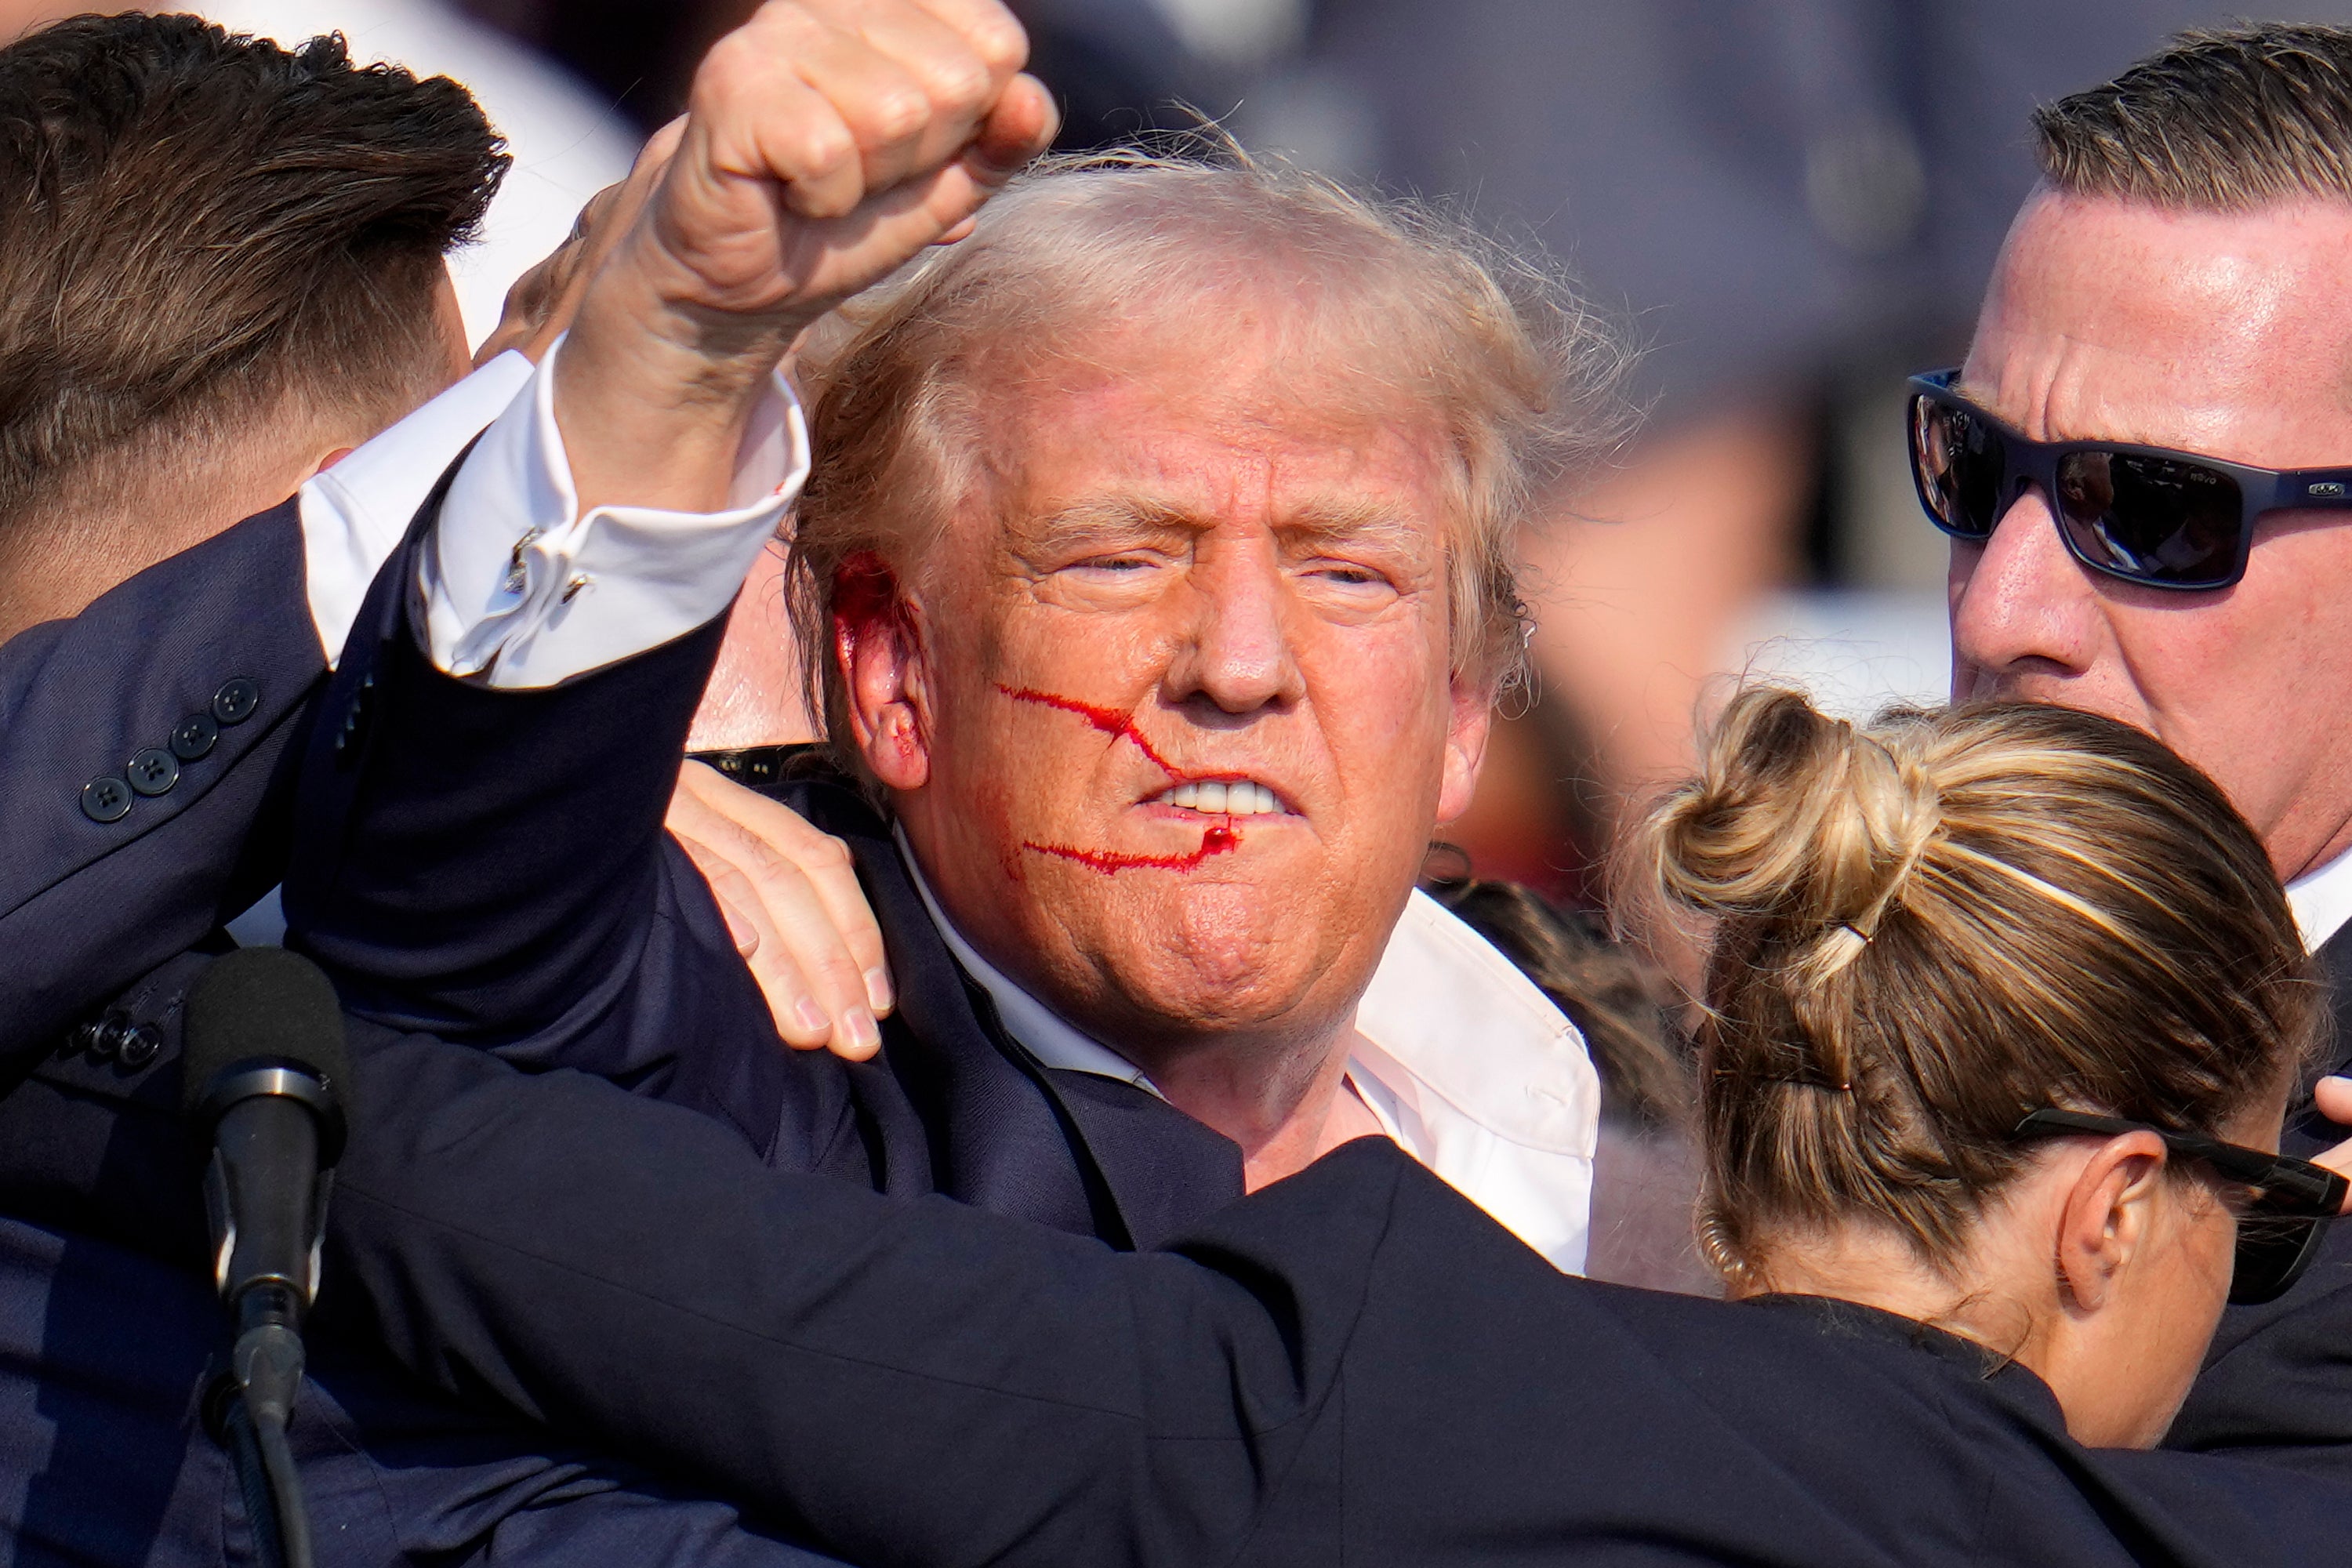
pixel 2144 514
pixel 2278 1234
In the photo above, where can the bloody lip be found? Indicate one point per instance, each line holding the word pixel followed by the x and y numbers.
pixel 1218 839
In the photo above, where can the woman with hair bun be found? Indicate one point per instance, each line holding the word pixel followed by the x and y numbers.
pixel 2003 1009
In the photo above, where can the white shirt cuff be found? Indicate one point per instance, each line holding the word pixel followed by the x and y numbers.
pixel 355 514
pixel 522 592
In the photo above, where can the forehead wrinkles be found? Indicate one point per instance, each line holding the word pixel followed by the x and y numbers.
pixel 2110 320
pixel 1237 449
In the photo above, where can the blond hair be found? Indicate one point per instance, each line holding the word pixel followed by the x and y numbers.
pixel 1928 927
pixel 2218 120
pixel 1521 373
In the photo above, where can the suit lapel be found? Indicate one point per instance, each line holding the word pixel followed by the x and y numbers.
pixel 1081 1153
pixel 1165 1171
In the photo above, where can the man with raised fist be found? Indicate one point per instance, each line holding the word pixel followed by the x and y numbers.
pixel 888 123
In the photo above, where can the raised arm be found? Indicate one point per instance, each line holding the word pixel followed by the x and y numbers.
pixel 483 855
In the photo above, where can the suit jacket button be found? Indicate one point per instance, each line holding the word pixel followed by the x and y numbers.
pixel 154 771
pixel 112 1031
pixel 138 1047
pixel 106 799
pixel 234 704
pixel 194 736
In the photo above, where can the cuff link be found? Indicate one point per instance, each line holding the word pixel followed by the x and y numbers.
pixel 517 571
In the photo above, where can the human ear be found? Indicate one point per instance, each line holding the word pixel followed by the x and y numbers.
pixel 878 646
pixel 1470 719
pixel 2104 1221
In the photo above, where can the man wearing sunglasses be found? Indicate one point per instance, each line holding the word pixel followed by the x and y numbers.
pixel 2145 468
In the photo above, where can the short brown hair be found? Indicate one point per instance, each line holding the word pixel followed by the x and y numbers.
pixel 1521 372
pixel 2219 119
pixel 194 226
pixel 1931 926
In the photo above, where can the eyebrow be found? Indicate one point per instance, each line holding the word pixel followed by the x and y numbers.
pixel 1126 516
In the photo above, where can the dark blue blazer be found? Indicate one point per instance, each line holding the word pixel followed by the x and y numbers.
pixel 201 671
pixel 1354 1366
pixel 490 867
pixel 2278 1382
pixel 145 762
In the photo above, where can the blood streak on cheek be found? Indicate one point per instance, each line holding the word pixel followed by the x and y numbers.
pixel 1219 838
pixel 1109 720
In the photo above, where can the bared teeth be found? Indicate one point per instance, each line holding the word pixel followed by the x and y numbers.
pixel 1222 797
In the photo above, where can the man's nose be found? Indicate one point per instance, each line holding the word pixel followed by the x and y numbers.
pixel 1238 655
pixel 2023 599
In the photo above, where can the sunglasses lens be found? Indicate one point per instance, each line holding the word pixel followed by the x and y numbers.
pixel 1957 460
pixel 2272 1253
pixel 2152 519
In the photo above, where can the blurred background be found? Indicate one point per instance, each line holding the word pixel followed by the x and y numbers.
pixel 1793 203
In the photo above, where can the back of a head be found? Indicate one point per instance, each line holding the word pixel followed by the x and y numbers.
pixel 2218 120
pixel 1927 927
pixel 200 233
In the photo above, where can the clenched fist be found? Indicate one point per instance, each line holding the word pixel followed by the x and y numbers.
pixel 827 142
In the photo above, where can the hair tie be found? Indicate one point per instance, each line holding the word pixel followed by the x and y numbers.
pixel 1859 934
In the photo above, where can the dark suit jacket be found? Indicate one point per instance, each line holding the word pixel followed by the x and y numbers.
pixel 490 867
pixel 1355 1365
pixel 212 651
pixel 2278 1382
pixel 107 1321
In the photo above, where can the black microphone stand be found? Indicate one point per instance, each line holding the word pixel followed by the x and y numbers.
pixel 269 1277
pixel 253 1404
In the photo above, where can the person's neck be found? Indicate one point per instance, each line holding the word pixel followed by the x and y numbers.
pixel 2331 848
pixel 1286 1102
pixel 1876 1268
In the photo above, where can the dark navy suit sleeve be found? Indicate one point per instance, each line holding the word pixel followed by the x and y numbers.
pixel 139 747
pixel 491 866
pixel 1350 1365
pixel 639 1279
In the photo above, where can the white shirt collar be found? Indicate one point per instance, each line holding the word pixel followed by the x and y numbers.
pixel 1463 1060
pixel 2322 900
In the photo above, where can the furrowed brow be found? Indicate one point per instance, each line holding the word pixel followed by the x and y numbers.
pixel 1359 525
pixel 1106 521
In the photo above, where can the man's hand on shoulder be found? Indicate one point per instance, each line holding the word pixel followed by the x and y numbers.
pixel 793 904
pixel 826 144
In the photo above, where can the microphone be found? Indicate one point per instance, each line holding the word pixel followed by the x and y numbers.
pixel 265 1083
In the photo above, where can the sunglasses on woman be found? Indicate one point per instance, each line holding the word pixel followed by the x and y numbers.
pixel 2143 514
pixel 2278 1233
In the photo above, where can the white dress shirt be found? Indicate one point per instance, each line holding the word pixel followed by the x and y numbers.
pixel 1462 1059
pixel 2322 900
